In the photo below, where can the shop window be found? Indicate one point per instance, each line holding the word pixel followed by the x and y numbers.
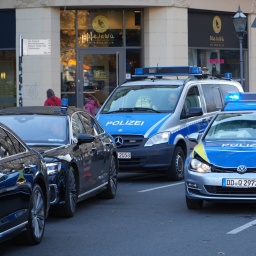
pixel 133 27
pixel 67 28
pixel 7 79
pixel 100 28
pixel 133 60
pixel 217 61
pixel 68 75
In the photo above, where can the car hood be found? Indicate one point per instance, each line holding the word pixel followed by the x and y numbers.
pixel 53 153
pixel 227 153
pixel 137 123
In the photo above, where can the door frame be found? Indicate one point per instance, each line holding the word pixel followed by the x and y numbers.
pixel 120 54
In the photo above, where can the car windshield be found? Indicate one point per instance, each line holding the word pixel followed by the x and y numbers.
pixel 233 126
pixel 38 129
pixel 143 99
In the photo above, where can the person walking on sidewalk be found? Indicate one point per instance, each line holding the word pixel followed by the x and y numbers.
pixel 52 100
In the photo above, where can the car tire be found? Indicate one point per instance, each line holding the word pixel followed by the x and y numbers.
pixel 70 194
pixel 110 191
pixel 68 209
pixel 176 171
pixel 194 203
pixel 36 220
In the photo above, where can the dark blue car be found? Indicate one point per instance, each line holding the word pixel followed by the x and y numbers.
pixel 80 155
pixel 24 190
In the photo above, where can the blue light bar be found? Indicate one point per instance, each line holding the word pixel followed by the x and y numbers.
pixel 228 75
pixel 241 96
pixel 240 106
pixel 234 96
pixel 168 71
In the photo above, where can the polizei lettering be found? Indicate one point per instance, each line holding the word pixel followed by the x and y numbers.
pixel 240 145
pixel 138 123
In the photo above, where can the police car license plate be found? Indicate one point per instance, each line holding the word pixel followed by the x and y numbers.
pixel 124 155
pixel 239 183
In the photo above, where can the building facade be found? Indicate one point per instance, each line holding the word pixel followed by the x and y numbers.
pixel 80 46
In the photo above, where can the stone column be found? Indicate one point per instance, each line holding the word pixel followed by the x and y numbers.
pixel 39 72
pixel 166 36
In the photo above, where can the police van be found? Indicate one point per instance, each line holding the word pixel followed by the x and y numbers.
pixel 151 116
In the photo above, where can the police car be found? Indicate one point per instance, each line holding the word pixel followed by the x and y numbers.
pixel 151 116
pixel 222 166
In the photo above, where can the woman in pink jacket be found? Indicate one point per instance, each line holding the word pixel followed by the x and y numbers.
pixel 91 104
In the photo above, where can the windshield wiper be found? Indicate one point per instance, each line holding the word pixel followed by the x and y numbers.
pixel 132 110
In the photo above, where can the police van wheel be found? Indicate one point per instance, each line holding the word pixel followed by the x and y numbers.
pixel 176 171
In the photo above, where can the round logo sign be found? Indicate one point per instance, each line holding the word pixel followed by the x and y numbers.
pixel 100 24
pixel 216 24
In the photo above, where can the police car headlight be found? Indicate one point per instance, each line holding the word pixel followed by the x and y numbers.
pixel 158 139
pixel 198 166
pixel 53 168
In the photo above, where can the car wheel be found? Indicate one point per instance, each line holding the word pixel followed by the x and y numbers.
pixel 110 191
pixel 68 209
pixel 176 171
pixel 70 195
pixel 36 219
pixel 194 203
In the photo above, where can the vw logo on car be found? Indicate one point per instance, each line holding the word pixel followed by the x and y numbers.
pixel 241 169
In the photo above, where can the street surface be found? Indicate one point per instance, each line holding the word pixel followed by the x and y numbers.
pixel 148 217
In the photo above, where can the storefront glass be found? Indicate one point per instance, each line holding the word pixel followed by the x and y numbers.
pixel 100 28
pixel 100 48
pixel 217 61
pixel 7 78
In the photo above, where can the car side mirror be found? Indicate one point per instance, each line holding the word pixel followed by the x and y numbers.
pixel 195 137
pixel 84 138
pixel 194 111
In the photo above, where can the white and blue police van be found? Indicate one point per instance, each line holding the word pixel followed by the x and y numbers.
pixel 151 116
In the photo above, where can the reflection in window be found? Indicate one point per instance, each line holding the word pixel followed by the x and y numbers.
pixel 133 27
pixel 68 75
pixel 7 79
pixel 6 146
pixel 67 28
pixel 100 28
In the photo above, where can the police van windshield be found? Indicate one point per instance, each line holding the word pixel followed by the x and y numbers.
pixel 160 99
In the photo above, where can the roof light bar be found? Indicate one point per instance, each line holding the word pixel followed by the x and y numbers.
pixel 168 71
pixel 242 97
pixel 234 96
pixel 228 76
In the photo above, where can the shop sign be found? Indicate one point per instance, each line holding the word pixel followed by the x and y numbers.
pixel 100 35
pixel 212 30
pixel 36 46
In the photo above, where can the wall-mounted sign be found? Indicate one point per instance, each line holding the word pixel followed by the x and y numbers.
pixel 36 47
pixel 212 30
pixel 100 24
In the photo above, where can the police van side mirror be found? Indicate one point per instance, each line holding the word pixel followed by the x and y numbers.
pixel 194 111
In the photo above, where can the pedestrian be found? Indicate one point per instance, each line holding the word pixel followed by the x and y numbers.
pixel 52 100
pixel 92 105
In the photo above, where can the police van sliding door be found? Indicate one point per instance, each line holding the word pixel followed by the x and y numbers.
pixel 100 72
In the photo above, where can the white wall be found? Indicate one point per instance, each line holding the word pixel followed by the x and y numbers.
pixel 39 72
pixel 166 36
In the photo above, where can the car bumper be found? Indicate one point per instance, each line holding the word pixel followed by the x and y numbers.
pixel 209 187
pixel 157 157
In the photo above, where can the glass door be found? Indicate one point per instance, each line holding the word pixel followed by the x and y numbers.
pixel 99 72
